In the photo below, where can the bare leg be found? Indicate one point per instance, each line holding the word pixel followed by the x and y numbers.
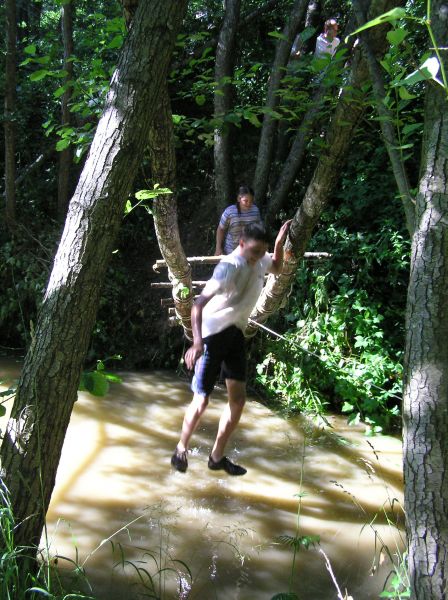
pixel 192 417
pixel 230 417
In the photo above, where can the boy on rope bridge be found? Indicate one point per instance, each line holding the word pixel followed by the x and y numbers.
pixel 219 317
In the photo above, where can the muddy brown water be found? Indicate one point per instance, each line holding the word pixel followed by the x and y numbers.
pixel 120 511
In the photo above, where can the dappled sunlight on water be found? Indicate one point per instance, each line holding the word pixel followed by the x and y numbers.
pixel 115 475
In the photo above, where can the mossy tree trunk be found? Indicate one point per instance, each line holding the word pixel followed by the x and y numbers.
pixel 48 385
pixel 163 171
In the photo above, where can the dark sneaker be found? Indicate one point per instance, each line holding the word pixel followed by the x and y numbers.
pixel 179 461
pixel 227 465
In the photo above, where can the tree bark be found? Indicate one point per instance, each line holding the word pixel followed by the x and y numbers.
pixel 66 155
pixel 266 145
pixel 295 156
pixel 425 415
pixel 387 123
pixel 224 65
pixel 9 113
pixel 348 113
pixel 163 169
pixel 47 388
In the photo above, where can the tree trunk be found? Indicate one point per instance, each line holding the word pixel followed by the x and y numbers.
pixel 425 415
pixel 163 169
pixel 348 113
pixel 387 123
pixel 66 155
pixel 224 65
pixel 295 156
pixel 9 114
pixel 47 389
pixel 266 145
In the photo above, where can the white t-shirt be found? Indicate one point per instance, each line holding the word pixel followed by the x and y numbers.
pixel 237 286
pixel 325 46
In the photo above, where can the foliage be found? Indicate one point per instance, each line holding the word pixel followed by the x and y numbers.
pixel 96 382
pixel 343 334
pixel 41 579
pixel 296 542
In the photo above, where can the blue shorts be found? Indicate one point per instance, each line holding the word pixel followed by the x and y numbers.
pixel 226 350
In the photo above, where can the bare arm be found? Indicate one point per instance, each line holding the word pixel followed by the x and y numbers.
pixel 220 234
pixel 197 349
pixel 277 257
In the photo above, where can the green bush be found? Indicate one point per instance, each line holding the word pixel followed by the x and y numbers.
pixel 343 344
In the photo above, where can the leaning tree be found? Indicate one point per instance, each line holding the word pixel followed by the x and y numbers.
pixel 48 385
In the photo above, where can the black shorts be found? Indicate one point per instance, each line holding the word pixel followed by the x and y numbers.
pixel 226 349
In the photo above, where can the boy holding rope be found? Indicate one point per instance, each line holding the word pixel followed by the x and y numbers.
pixel 219 317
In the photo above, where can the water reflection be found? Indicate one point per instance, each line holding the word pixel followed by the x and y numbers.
pixel 115 471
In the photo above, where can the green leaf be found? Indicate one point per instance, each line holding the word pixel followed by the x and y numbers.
pixel 112 377
pixel 60 91
pixel 428 70
pixel 31 49
pixel 116 42
pixel 63 144
pixel 252 118
pixel 150 194
pixel 200 99
pixel 404 94
pixel 387 17
pixel 408 129
pixel 43 60
pixel 38 75
pixel 2 410
pixel 347 407
pixel 95 383
pixel 307 33
pixel 127 207
pixel 396 36
pixel 277 35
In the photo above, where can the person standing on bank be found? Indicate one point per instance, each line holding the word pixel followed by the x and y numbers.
pixel 219 316
pixel 234 218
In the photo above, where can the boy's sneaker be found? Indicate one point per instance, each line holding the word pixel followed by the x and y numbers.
pixel 227 465
pixel 179 460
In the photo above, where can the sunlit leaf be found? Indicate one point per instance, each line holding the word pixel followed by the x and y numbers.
pixel 95 383
pixel 63 144
pixel 387 17
pixel 38 75
pixel 427 71
pixel 396 36
pixel 31 49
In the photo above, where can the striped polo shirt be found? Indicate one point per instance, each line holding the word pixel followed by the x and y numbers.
pixel 233 224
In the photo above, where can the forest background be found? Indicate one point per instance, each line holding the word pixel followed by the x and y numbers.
pixel 309 135
pixel 348 309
